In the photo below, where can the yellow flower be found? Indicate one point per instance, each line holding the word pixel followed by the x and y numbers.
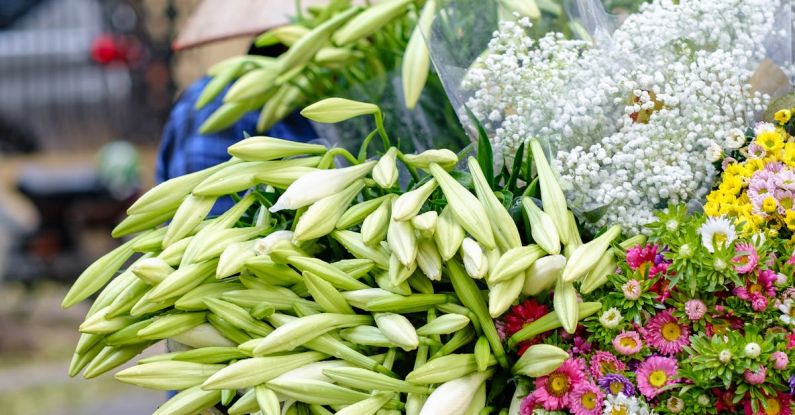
pixel 782 116
pixel 712 209
pixel 770 141
pixel 790 220
pixel 752 166
pixel 731 185
pixel 789 154
pixel 769 205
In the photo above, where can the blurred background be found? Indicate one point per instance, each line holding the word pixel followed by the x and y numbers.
pixel 85 89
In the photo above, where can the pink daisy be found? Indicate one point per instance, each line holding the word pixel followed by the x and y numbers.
pixel 746 260
pixel 695 309
pixel 551 390
pixel 603 363
pixel 647 258
pixel 585 399
pixel 755 378
pixel 654 374
pixel 664 333
pixel 627 343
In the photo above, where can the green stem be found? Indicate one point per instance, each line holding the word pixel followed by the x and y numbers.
pixel 328 158
pixel 411 169
pixel 365 144
pixel 379 124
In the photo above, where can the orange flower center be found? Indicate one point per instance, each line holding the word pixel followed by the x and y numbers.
pixel 558 384
pixel 588 400
pixel 671 331
pixel 772 406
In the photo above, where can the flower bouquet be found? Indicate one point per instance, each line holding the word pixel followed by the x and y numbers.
pixel 469 286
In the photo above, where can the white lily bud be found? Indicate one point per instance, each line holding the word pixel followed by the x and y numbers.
pixel 376 224
pixel 605 267
pixel 416 58
pixel 585 257
pixel 565 303
pixel 429 260
pixel 475 261
pixel 503 294
pixel 514 262
pixel 334 110
pixel 449 234
pixel 265 245
pixel 408 204
pixel 320 218
pixel 360 298
pixel 231 260
pixel 445 324
pixel 525 8
pixel 402 240
pixel 542 228
pixel 478 401
pixel 316 185
pixel 542 275
pixel 551 194
pixel 447 159
pixel 454 397
pixel 425 223
pixel 385 172
pixel 540 360
pixel 502 224
pixel 467 209
pixel 398 330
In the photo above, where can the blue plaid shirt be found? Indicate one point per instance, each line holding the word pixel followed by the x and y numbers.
pixel 184 150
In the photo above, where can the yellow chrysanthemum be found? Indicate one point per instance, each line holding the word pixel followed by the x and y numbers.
pixel 769 205
pixel 789 220
pixel 789 154
pixel 752 166
pixel 782 116
pixel 770 141
pixel 712 209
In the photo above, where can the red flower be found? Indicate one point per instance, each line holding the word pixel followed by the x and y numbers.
pixel 522 315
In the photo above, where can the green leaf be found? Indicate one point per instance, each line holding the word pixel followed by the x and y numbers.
pixel 485 152
pixel 516 170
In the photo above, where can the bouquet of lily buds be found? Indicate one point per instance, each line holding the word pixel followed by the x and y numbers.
pixel 338 290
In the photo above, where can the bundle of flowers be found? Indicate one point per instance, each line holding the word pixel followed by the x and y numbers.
pixel 334 289
pixel 633 120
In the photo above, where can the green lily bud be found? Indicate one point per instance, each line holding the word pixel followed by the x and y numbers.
pixel 279 298
pixel 265 245
pixel 429 260
pixel 367 336
pixel 151 241
pixel 449 234
pixel 81 359
pixel 313 371
pixel 168 195
pixel 151 270
pixel 551 194
pixel 425 223
pixel 127 335
pixel 233 257
pixel 267 400
pixel 416 58
pixel 99 273
pixel 454 396
pixel 207 355
pixel 286 35
pixel 171 325
pixel 385 172
pixel 565 302
pixel 406 304
pixel 262 148
pixel 320 218
pixel 360 298
pixel 475 261
pixel 328 272
pixel 227 331
pixel 212 243
pixel 540 360
pixel 246 404
pixel 542 227
pixel 285 249
pixel 445 368
pixel 354 244
pixel 237 316
pixel 316 392
pixel 334 110
pixel 369 21
pixel 543 274
pixel 375 225
pixel 229 218
pixel 358 212
pixel 202 337
pixel 147 306
pixel 420 283
pixel 408 204
pixel 478 402
pixel 252 84
pixel 585 257
pixel 263 267
pixel 167 375
pixel 402 240
pixel 98 323
pixel 482 354
pixel 307 46
pixel 190 401
pixel 467 209
pixel 124 303
pixel 414 403
pixel 515 262
pixel 258 370
pixel 505 232
pixel 446 324
pixel 445 158
pixel 182 280
pixel 367 406
pixel 140 222
pixel 574 234
pixel 115 287
pixel 299 331
pixel 112 357
pixel 356 268
pixel 598 276
pixel 503 294
pixel 317 185
pixel 86 341
pixel 336 58
pixel 397 329
pixel 633 241
pixel 233 178
pixel 173 254
pixel 326 295
pixel 190 213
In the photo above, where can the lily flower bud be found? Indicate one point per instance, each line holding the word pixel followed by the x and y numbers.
pixel 503 294
pixel 425 223
pixel 397 275
pixel 605 267
pixel 416 58
pixel 505 231
pixel 449 234
pixel 514 262
pixel 475 261
pixel 445 158
pixel 190 401
pixel 231 260
pixel 360 298
pixel 543 274
pixel 385 172
pixel 316 185
pixel 189 214
pixel 446 324
pixel 265 245
pixel 540 360
pixel 193 300
pixel 397 329
pixel 367 406
pixel 286 35
pixel 316 392
pixel 369 21
pixel 334 110
pixel 375 225
pixel 454 397
pixel 301 330
pixel 407 205
pixel 525 8
pixel 358 378
pixel 542 228
pixel 171 325
pixel 552 196
pixel 585 257
pixel 402 240
pixel 466 208
pixel 320 218
pixel 237 316
pixel 358 212
pixel 326 295
pixel 478 401
pixel 258 370
pixel 262 148
pixel 328 272
pixel 429 260
pixel 565 303
pixel 354 244
pixel 307 45
pixel 267 400
pixel 168 375
pixel 151 270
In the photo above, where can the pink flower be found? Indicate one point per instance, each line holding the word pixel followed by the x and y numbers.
pixel 632 290
pixel 664 333
pixel 552 390
pixel 654 374
pixel 627 343
pixel 780 360
pixel 747 258
pixel 791 260
pixel 780 404
pixel 695 309
pixel 755 378
pixel 603 363
pixel 585 399
pixel 758 302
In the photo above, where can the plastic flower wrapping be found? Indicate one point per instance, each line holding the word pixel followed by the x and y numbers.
pixel 622 242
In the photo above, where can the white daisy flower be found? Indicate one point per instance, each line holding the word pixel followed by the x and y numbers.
pixel 621 404
pixel 717 233
pixel 714 152
pixel 735 138
pixel 787 311
pixel 610 318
